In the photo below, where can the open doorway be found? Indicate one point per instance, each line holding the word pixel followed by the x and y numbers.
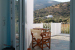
pixel 55 15
pixel 30 15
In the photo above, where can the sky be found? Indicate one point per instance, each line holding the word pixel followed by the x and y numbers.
pixel 62 0
pixel 58 0
pixel 16 0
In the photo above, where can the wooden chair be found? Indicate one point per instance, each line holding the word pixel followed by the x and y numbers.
pixel 46 39
pixel 36 37
pixel 29 49
pixel 40 38
pixel 37 27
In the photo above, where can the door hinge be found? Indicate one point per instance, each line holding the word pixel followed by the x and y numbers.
pixel 11 17
pixel 71 41
pixel 11 2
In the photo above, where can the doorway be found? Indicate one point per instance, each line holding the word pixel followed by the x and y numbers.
pixel 71 28
pixel 56 13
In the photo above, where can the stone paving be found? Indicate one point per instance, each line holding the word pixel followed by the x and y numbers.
pixel 58 43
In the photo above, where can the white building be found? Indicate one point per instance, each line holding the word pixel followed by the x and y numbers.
pixel 49 16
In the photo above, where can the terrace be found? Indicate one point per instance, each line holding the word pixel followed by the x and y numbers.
pixel 60 42
pixel 60 39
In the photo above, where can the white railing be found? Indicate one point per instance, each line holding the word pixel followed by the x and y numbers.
pixel 37 25
pixel 55 28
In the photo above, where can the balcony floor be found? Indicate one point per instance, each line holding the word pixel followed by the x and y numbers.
pixel 60 42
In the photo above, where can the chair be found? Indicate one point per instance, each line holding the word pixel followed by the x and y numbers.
pixel 29 49
pixel 46 39
pixel 36 37
pixel 37 27
pixel 40 38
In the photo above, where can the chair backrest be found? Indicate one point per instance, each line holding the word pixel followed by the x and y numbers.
pixel 36 33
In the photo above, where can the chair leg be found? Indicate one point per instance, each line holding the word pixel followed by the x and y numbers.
pixel 42 44
pixel 49 43
pixel 32 42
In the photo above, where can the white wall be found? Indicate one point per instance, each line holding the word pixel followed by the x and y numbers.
pixel 55 28
pixel 29 15
pixel 40 25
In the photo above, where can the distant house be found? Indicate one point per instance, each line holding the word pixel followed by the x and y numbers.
pixel 49 16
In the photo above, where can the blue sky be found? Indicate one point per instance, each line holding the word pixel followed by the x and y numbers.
pixel 58 0
pixel 62 0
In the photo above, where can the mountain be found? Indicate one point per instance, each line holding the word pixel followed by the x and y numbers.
pixel 59 11
pixel 39 4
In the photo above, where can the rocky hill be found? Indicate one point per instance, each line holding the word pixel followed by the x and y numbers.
pixel 39 4
pixel 59 11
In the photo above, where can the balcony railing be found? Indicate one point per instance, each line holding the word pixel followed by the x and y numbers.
pixel 65 28
pixel 55 28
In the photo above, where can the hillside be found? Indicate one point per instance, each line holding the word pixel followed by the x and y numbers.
pixel 59 11
pixel 39 4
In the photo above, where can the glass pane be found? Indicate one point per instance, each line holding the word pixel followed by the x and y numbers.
pixel 17 24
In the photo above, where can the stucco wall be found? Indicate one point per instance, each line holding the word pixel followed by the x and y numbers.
pixel 37 25
pixel 55 29
pixel 29 19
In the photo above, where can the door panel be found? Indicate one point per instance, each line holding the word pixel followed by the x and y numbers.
pixel 17 22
